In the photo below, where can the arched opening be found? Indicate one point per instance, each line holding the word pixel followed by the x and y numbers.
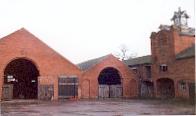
pixel 147 89
pixel 109 83
pixel 165 88
pixel 22 75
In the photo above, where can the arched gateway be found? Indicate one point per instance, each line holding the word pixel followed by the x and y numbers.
pixel 109 83
pixel 21 80
pixel 165 88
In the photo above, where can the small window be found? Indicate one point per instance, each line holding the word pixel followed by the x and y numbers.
pixel 163 67
pixel 182 85
pixel 134 69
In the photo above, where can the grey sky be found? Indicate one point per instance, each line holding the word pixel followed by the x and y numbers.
pixel 85 29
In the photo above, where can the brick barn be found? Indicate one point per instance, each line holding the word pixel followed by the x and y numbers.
pixel 170 71
pixel 107 77
pixel 29 69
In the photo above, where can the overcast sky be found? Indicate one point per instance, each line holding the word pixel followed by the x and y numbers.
pixel 85 29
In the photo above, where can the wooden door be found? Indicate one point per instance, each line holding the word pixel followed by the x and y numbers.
pixel 103 91
pixel 192 91
pixel 7 91
pixel 115 91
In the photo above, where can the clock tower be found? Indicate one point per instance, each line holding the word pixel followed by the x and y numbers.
pixel 180 19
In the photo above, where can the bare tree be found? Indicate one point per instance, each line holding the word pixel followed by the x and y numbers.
pixel 124 54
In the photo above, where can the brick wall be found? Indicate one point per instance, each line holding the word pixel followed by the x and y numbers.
pixel 165 44
pixel 49 63
pixel 90 78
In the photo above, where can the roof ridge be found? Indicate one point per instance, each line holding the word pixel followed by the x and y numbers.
pixel 139 57
pixel 93 59
pixel 139 60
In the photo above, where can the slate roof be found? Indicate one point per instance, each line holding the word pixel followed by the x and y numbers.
pixel 187 53
pixel 90 63
pixel 188 32
pixel 139 60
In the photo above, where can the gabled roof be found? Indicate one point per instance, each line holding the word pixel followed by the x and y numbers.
pixel 187 53
pixel 90 63
pixel 139 60
pixel 28 37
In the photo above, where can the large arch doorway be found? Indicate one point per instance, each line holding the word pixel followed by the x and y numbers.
pixel 165 88
pixel 109 83
pixel 22 75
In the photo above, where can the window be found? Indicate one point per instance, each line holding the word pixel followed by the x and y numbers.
pixel 68 86
pixel 148 71
pixel 134 69
pixel 182 85
pixel 163 67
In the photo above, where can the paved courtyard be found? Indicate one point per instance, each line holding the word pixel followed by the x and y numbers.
pixel 109 107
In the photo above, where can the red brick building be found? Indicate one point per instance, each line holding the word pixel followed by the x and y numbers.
pixel 172 64
pixel 107 77
pixel 30 69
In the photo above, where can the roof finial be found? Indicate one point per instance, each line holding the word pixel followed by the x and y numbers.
pixel 180 18
pixel 179 9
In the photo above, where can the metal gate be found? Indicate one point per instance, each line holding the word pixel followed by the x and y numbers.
pixel 110 91
pixel 7 91
pixel 68 87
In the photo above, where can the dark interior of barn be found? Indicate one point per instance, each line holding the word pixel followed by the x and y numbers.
pixel 109 76
pixel 23 75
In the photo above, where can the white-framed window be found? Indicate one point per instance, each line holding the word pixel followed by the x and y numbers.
pixel 163 67
pixel 134 69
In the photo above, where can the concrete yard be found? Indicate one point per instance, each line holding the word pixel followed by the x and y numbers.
pixel 107 107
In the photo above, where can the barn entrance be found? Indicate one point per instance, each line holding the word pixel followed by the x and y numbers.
pixel 165 88
pixel 147 89
pixel 109 83
pixel 20 80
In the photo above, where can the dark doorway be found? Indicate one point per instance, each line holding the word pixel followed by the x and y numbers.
pixel 109 83
pixel 147 89
pixel 22 74
pixel 166 88
pixel 192 92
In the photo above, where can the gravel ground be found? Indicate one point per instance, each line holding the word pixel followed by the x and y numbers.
pixel 108 107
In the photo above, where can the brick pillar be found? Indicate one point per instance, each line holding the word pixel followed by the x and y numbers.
pixel 56 89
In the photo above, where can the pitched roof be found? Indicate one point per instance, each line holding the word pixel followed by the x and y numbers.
pixel 24 34
pixel 139 60
pixel 187 53
pixel 90 63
